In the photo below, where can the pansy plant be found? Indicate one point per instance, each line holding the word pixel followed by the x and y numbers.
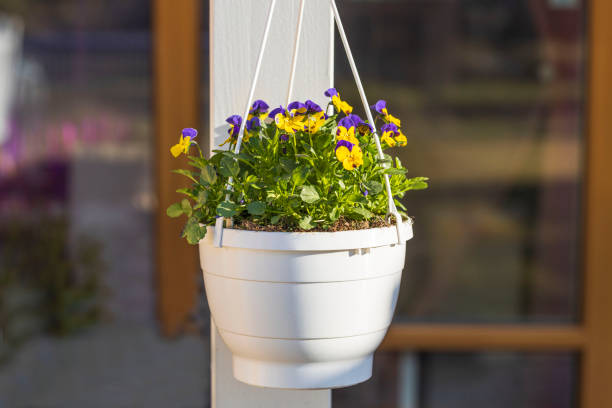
pixel 297 168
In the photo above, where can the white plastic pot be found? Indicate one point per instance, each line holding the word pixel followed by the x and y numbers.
pixel 303 310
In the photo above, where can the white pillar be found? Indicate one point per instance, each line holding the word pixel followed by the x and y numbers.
pixel 236 28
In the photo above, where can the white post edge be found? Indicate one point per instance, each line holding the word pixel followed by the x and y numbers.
pixel 236 27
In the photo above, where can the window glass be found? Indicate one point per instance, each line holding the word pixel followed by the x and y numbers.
pixel 491 96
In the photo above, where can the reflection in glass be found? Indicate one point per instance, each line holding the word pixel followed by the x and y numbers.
pixel 77 297
pixel 491 98
pixel 465 380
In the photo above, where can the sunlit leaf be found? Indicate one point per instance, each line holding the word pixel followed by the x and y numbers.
pixel 175 210
pixel 226 209
pixel 309 194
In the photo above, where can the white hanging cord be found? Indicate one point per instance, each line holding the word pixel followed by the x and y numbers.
pixel 262 48
pixel 264 41
pixel 296 47
pixel 391 204
pixel 331 56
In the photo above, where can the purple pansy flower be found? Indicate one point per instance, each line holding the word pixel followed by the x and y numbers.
pixel 379 106
pixel 365 193
pixel 346 144
pixel 355 119
pixel 312 107
pixel 276 111
pixel 235 121
pixel 331 92
pixel 390 127
pixel 298 106
pixel 259 106
pixel 191 133
pixel 346 122
pixel 253 123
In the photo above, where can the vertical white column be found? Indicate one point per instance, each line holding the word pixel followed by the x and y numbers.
pixel 236 28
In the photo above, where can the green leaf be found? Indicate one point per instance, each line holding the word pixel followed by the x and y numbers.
pixel 208 175
pixel 373 186
pixel 309 194
pixel 186 173
pixel 187 191
pixel 255 144
pixel 393 171
pixel 245 157
pixel 256 208
pixel 193 231
pixel 362 212
pixel 299 175
pixel 356 198
pixel 186 207
pixel 331 121
pixel 175 210
pixel 294 203
pixel 305 223
pixel 226 209
pixel 341 184
pixel 198 162
pixel 251 179
pixel 229 167
pixel 417 183
pixel 333 215
pixel 275 219
pixel 287 164
pixel 202 197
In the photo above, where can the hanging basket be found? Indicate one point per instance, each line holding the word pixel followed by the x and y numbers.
pixel 303 310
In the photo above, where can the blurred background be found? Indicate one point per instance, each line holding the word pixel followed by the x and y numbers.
pixel 491 94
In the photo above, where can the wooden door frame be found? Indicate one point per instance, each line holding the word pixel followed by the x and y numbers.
pixel 597 321
pixel 176 90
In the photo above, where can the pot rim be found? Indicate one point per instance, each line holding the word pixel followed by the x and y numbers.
pixel 309 241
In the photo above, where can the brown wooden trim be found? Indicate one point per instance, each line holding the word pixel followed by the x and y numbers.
pixel 428 337
pixel 596 391
pixel 176 27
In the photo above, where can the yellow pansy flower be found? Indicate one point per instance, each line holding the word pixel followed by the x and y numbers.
pixel 347 134
pixel 392 119
pixel 349 155
pixel 401 139
pixel 381 108
pixel 341 105
pixel 185 138
pixel 314 122
pixel 288 123
pixel 388 139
